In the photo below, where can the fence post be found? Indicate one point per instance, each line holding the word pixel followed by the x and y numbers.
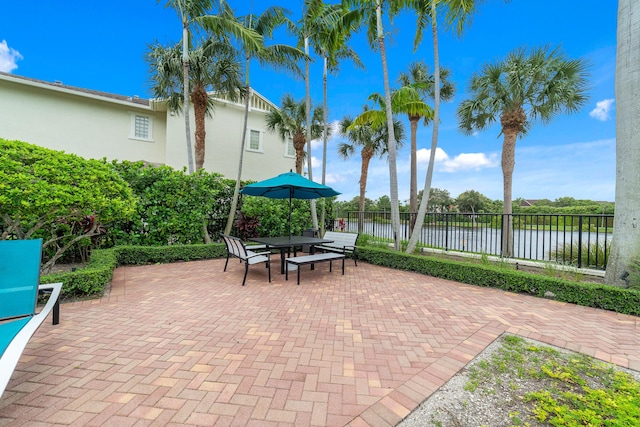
pixel 580 241
pixel 446 232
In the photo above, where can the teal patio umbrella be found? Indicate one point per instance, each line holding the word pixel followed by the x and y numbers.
pixel 290 186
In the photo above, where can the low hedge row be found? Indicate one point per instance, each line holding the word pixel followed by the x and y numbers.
pixel 606 297
pixel 92 279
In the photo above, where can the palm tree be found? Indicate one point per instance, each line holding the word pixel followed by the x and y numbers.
pixel 278 55
pixel 328 38
pixel 372 140
pixel 194 11
pixel 371 12
pixel 316 17
pixel 290 121
pixel 625 246
pixel 419 78
pixel 213 67
pixel 187 10
pixel 456 15
pixel 519 90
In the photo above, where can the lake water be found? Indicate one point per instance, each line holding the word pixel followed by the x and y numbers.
pixel 538 245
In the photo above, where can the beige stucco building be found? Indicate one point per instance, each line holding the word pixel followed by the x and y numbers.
pixel 96 124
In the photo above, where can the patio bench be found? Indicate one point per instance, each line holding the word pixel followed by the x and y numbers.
pixel 19 289
pixel 313 259
pixel 343 243
pixel 237 248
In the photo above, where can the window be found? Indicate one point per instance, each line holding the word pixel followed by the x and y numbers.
pixel 141 127
pixel 255 141
pixel 289 149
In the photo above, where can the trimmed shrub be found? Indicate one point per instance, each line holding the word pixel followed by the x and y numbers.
pixel 606 297
pixel 91 280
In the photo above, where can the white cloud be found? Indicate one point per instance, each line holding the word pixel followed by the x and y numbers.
pixel 468 161
pixel 8 57
pixel 334 178
pixel 463 161
pixel 603 110
pixel 422 155
pixel 315 163
pixel 334 136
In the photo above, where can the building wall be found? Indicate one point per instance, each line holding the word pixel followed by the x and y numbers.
pixel 87 126
pixel 222 144
pixel 96 126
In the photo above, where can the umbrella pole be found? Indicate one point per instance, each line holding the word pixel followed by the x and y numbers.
pixel 290 208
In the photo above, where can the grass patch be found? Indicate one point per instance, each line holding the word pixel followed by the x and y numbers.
pixel 591 256
pixel 553 388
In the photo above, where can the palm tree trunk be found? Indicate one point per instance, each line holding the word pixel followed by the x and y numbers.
pixel 413 185
pixel 367 154
pixel 298 145
pixel 393 172
pixel 422 211
pixel 314 214
pixel 325 131
pixel 236 190
pixel 508 164
pixel 625 245
pixel 199 99
pixel 185 93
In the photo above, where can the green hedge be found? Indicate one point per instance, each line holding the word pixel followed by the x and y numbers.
pixel 606 297
pixel 91 280
pixel 133 255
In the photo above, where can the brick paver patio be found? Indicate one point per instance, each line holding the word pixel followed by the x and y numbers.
pixel 185 344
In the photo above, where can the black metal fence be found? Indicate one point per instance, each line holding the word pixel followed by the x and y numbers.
pixel 579 240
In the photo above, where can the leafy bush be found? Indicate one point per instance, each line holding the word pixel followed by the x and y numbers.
pixel 172 205
pixel 59 197
pixel 247 226
pixel 274 215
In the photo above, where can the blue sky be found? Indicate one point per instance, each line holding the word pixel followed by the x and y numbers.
pixel 101 46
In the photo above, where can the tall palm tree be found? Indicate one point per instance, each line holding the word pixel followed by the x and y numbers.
pixel 371 12
pixel 372 140
pixel 290 121
pixel 418 77
pixel 457 14
pixel 277 56
pixel 521 89
pixel 213 67
pixel 330 25
pixel 187 10
pixel 625 245
pixel 316 17
pixel 195 12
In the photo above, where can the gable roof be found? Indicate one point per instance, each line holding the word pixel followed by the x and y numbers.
pixel 73 90
pixel 153 104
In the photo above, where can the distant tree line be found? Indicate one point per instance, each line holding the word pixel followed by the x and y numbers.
pixel 473 201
